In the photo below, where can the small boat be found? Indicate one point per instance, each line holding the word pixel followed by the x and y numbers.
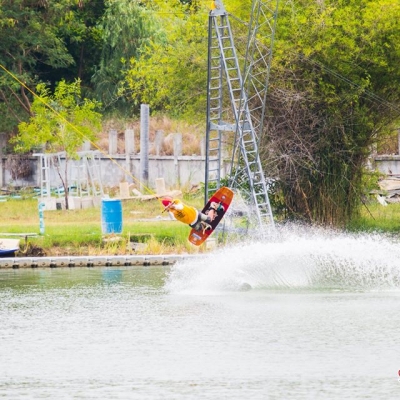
pixel 8 247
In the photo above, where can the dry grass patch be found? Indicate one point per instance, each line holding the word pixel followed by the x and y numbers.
pixel 192 134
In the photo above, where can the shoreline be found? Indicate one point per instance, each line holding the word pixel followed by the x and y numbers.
pixel 91 261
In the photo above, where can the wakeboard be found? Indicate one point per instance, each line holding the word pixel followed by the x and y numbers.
pixel 223 197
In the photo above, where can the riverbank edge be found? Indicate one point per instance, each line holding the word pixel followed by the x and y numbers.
pixel 92 261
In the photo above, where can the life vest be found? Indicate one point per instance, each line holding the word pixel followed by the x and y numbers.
pixel 182 212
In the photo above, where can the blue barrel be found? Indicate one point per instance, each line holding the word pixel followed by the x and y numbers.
pixel 111 216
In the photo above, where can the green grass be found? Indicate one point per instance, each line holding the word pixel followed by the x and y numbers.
pixel 377 218
pixel 78 232
pixel 73 232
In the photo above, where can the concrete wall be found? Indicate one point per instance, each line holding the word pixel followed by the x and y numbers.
pixel 176 171
pixel 388 165
pixel 6 178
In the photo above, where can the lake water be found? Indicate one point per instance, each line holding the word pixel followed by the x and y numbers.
pixel 313 316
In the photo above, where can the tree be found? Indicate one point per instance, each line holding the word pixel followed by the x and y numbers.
pixel 60 122
pixel 170 73
pixel 28 39
pixel 44 41
pixel 126 28
pixel 335 92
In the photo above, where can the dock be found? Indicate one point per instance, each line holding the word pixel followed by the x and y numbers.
pixel 90 261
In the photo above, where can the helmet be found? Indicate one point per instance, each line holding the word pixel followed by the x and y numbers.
pixel 167 200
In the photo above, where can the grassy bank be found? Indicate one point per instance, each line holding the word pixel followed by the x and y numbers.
pixel 146 230
pixel 377 218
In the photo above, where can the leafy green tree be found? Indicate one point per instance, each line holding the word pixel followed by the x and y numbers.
pixel 335 92
pixel 61 122
pixel 44 41
pixel 126 28
pixel 170 73
pixel 28 39
pixel 80 32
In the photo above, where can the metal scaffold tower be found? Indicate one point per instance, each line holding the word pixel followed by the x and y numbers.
pixel 236 97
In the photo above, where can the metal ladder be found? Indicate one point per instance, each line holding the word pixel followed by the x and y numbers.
pixel 93 166
pixel 87 174
pixel 48 164
pixel 225 79
pixel 78 181
pixel 45 162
